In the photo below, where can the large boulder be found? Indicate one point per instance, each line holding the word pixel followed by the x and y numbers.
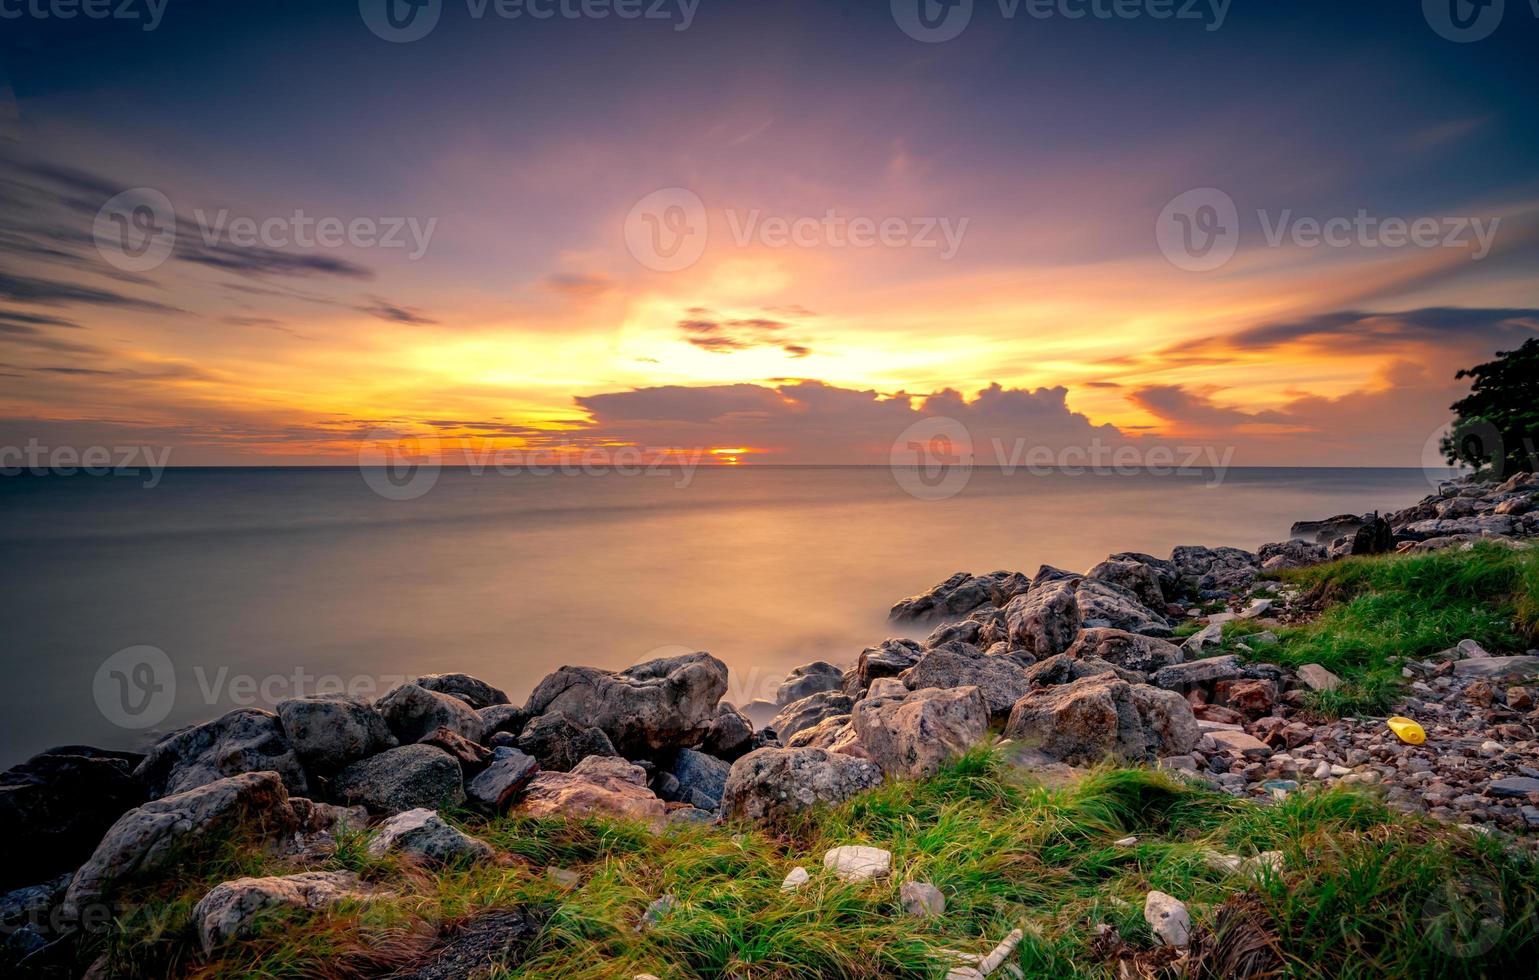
pixel 1001 679
pixel 959 595
pixel 1214 570
pixel 162 834
pixel 649 708
pixel 1066 668
pixel 1290 554
pixel 558 743
pixel 835 734
pixel 471 690
pixel 1095 717
pixel 600 786
pixel 809 679
pixel 1108 606
pixel 890 658
pixel 701 779
pixel 413 712
pixel 914 736
pixel 772 785
pixel 244 740
pixel 400 779
pixel 1134 576
pixel 424 837
pixel 502 780
pixel 730 734
pixel 330 731
pixel 1186 676
pixel 1045 620
pixel 502 718
pixel 809 711
pixel 55 807
pixel 1325 531
pixel 238 909
pixel 1164 571
pixel 1130 650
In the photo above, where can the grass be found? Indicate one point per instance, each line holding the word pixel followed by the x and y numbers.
pixel 1364 893
pixel 1382 610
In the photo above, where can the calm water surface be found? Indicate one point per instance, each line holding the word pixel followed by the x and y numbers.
pixel 257 583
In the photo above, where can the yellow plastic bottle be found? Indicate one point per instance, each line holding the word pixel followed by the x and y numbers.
pixel 1408 731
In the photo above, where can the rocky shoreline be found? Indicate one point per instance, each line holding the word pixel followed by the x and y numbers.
pixel 1066 669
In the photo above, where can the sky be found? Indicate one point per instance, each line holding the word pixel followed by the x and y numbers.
pixel 778 231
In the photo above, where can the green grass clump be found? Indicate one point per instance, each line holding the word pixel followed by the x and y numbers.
pixel 1380 610
pixel 1364 892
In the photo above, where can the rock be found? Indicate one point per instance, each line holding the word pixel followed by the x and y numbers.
pixel 1317 678
pixel 968 631
pixel 1168 919
pixel 658 908
pixel 558 743
pixel 55 807
pixel 809 711
pixel 1240 744
pixel 490 943
pixel 402 779
pixel 1506 668
pixel 598 786
pixel 759 712
pixel 1002 680
pixel 1252 698
pixel 471 690
pixel 771 785
pixel 886 687
pixel 470 755
pixel 1134 577
pixel 702 778
pixel 809 679
pixel 500 782
pixel 1102 715
pixel 891 658
pixel 858 863
pixel 500 718
pixel 921 899
pixel 730 734
pixel 1164 571
pixel 825 733
pixel 1520 698
pixel 330 731
pixel 1210 637
pixel 163 834
pixel 1180 677
pixel 1290 554
pixel 421 835
pixel 1328 530
pixel 914 736
pixel 1063 668
pixel 651 707
pixel 1469 648
pixel 1214 570
pixel 413 712
pixel 244 740
pixel 797 878
pixel 1102 604
pixel 1121 648
pixel 1516 787
pixel 1044 621
pixel 959 595
pixel 324 818
pixel 237 909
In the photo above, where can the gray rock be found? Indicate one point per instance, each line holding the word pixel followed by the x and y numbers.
pixel 471 690
pixel 921 899
pixel 1102 604
pixel 959 595
pixel 915 736
pixel 330 731
pixel 149 840
pixel 1168 919
pixel 1508 668
pixel 1516 787
pixel 651 707
pixel 967 631
pixel 730 734
pixel 1202 570
pixel 702 778
pixel 1205 640
pixel 413 712
pixel 1100 716
pixel 1133 577
pixel 1064 669
pixel 402 779
pixel 1133 651
pixel 493 942
pixel 858 862
pixel 1290 554
pixel 244 740
pixel 1180 677
pixel 558 743
pixel 237 909
pixel 423 836
pixel 1002 680
pixel 1045 620
pixel 809 679
pixel 509 772
pixel 809 711
pixel 1317 678
pixel 888 659
pixel 501 719
pixel 772 785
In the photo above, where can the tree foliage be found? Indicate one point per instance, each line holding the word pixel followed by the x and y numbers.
pixel 1497 424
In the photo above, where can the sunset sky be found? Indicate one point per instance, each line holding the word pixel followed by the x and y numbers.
pixel 1048 146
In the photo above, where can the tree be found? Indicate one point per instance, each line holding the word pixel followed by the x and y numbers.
pixel 1498 423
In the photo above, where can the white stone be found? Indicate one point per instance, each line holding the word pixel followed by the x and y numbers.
pixel 1168 918
pixel 797 878
pixel 1317 678
pixel 921 899
pixel 858 863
